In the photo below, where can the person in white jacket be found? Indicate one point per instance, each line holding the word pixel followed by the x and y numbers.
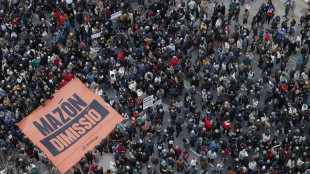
pixel 112 78
pixel 266 137
pixel 252 165
pixel 239 43
pixel 96 155
pixel 299 162
pixel 211 155
pixel 193 162
pixel 132 86
pixel 99 91
pixel 113 167
pixel 192 5
pixel 290 164
pixel 304 107
pixel 218 23
pixel 248 6
pixel 243 154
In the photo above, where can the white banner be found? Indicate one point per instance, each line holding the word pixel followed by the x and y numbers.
pixel 116 15
pixel 95 36
pixel 44 34
pixel 148 102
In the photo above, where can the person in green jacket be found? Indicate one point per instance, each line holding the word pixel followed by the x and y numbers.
pixel 36 62
pixel 299 62
pixel 232 5
pixel 35 169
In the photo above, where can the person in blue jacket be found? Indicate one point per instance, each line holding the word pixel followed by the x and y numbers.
pixel 193 138
pixel 287 9
pixel 213 146
pixel 261 34
pixel 281 32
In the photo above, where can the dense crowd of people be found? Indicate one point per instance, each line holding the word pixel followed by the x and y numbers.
pixel 237 120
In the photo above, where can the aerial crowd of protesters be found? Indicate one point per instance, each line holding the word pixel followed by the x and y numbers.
pixel 236 119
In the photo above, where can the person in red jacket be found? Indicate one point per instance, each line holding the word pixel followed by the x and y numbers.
pixel 227 126
pixel 107 10
pixel 59 24
pixel 69 77
pixel 15 22
pixel 140 103
pixel 293 91
pixel 208 124
pixel 157 120
pixel 174 61
pixel 121 149
pixel 185 155
pixel 63 83
pixel 178 151
pixel 64 74
pixel 63 18
pixel 267 37
pixel 226 31
pixel 135 115
pixel 120 56
pixel 284 87
pixel 94 168
pixel 131 100
pixel 58 61
pixel 57 15
pixel 50 75
pixel 286 151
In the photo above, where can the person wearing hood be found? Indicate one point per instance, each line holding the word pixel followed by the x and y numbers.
pixel 299 62
pixel 243 154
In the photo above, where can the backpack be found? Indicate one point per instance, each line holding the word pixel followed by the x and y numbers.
pixel 3 143
pixel 267 37
pixel 204 150
pixel 243 36
pixel 204 62
pixel 302 19
pixel 203 26
pixel 35 171
pixel 106 98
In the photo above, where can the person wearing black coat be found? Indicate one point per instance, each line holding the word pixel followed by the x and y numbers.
pixel 89 156
pixel 77 171
pixel 155 160
pixel 82 162
pixel 99 171
pixel 79 18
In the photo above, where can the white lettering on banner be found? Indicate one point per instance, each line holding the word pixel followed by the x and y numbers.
pixel 95 36
pixel 148 102
pixel 116 15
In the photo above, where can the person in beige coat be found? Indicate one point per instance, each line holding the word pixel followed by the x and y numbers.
pixel 203 6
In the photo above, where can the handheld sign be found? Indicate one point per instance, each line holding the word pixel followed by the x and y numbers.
pixel 70 124
pixel 148 102
pixel 116 15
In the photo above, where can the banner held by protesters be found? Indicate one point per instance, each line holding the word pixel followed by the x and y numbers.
pixel 70 124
